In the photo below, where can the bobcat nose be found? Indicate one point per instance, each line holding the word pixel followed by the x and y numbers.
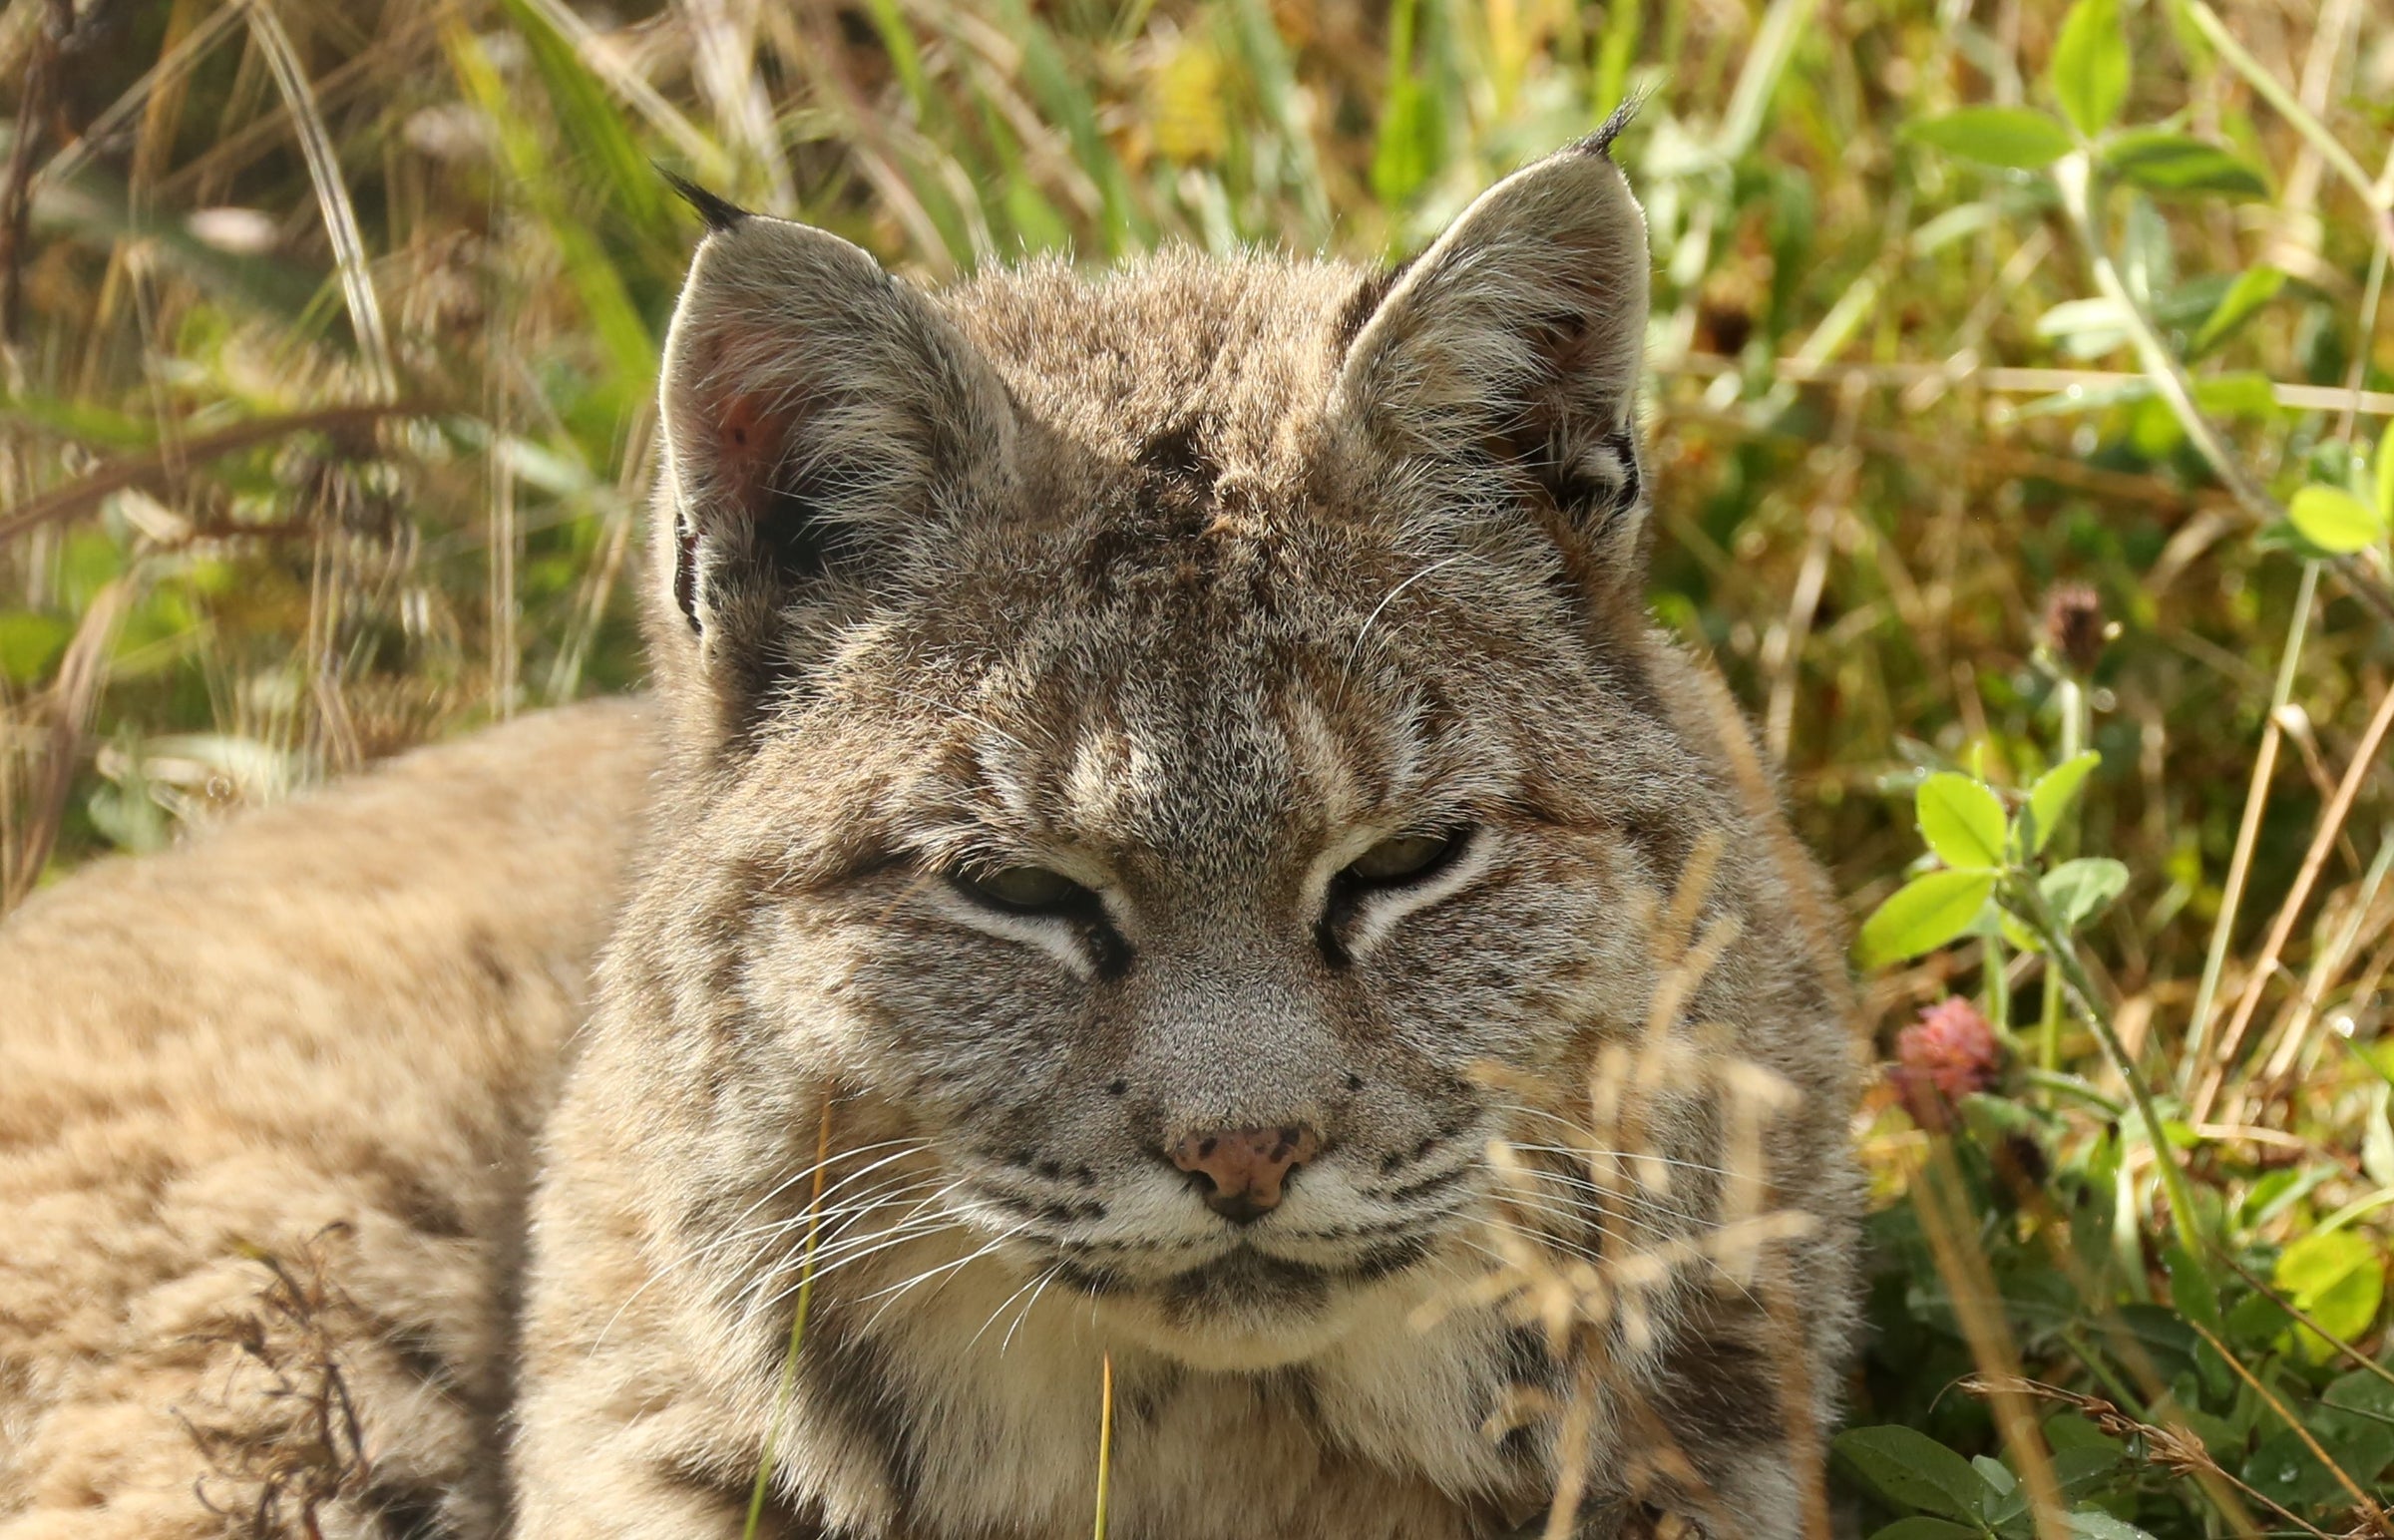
pixel 1246 1166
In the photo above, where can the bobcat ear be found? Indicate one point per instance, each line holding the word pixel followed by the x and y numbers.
pixel 1507 355
pixel 821 420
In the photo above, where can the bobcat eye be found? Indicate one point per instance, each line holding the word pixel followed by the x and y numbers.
pixel 1098 949
pixel 1025 889
pixel 1407 858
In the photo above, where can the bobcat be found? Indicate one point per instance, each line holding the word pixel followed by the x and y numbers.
pixel 1170 821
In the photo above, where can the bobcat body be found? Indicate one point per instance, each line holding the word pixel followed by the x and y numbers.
pixel 1160 770
pixel 266 1105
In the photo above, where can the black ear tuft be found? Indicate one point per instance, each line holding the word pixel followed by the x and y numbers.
pixel 1600 143
pixel 720 213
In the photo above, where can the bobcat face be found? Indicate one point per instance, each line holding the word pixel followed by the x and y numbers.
pixel 1172 732
pixel 1173 857
pixel 1165 767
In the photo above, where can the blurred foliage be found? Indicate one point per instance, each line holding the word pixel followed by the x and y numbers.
pixel 330 331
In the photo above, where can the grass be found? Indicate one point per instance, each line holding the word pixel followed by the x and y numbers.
pixel 330 332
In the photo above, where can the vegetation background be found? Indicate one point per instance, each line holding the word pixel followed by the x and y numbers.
pixel 1994 341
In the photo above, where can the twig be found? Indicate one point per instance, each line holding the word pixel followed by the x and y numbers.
pixel 2332 819
pixel 2257 799
pixel 178 61
pixel 2367 1505
pixel 2305 1318
pixel 2009 380
pixel 2326 963
pixel 2175 1448
pixel 16 191
pixel 2001 460
pixel 68 501
pixel 1940 1201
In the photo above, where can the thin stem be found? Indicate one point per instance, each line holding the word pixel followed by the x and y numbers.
pixel 1105 1440
pixel 2361 1499
pixel 2062 953
pixel 2281 930
pixel 2075 177
pixel 1950 1227
pixel 789 1362
pixel 2049 1021
pixel 2271 90
pixel 2239 865
pixel 2072 702
pixel 2372 294
pixel 1993 965
pixel 2065 1085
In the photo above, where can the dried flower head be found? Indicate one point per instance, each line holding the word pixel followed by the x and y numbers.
pixel 1950 1051
pixel 2074 626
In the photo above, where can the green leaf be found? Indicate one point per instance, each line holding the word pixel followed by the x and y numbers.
pixel 30 642
pixel 1997 136
pixel 2257 1321
pixel 2239 394
pixel 1962 821
pixel 2363 1395
pixel 2337 1279
pixel 2049 798
pixel 2071 1434
pixel 1412 119
pixel 2192 1290
pixel 1924 915
pixel 95 423
pixel 2253 289
pixel 2094 1524
pixel 2161 161
pixel 1918 1527
pixel 2334 519
pixel 2086 328
pixel 2358 1437
pixel 2078 891
pixel 1063 95
pixel 1913 1470
pixel 2076 1470
pixel 2284 1470
pixel 2090 65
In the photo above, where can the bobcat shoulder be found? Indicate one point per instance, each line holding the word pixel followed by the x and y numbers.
pixel 1165 768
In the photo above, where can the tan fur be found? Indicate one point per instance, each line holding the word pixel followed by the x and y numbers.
pixel 264 1106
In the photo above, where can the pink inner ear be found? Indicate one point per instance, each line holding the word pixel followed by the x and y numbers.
pixel 739 429
pixel 750 439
